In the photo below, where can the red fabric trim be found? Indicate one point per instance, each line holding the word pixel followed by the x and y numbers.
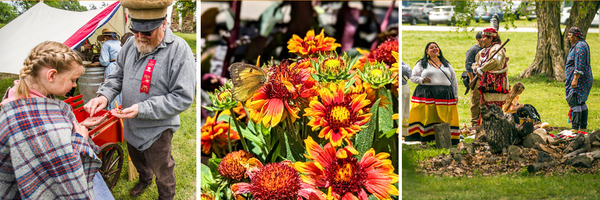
pixel 427 100
pixel 89 28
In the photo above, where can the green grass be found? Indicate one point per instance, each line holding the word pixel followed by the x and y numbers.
pixel 184 153
pixel 547 95
pixel 516 186
pixel 190 38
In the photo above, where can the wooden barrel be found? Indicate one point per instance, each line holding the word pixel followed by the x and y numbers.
pixel 90 81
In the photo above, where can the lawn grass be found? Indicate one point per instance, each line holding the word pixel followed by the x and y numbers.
pixel 545 94
pixel 190 38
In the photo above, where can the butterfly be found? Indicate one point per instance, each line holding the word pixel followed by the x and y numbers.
pixel 247 79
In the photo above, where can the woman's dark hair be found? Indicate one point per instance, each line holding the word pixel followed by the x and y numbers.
pixel 424 62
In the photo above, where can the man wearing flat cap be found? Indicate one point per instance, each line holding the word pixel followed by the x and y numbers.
pixel 493 82
pixel 155 72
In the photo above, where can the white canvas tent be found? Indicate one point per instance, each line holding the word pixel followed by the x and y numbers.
pixel 44 23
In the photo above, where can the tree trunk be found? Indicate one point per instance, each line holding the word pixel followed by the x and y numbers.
pixel 553 46
pixel 442 136
pixel 549 56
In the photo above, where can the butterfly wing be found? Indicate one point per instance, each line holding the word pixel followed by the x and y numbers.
pixel 247 79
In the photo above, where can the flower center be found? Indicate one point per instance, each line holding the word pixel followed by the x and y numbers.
pixel 223 95
pixel 344 173
pixel 276 181
pixel 376 73
pixel 340 114
pixel 346 176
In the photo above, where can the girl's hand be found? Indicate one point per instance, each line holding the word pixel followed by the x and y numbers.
pixel 426 80
pixel 82 130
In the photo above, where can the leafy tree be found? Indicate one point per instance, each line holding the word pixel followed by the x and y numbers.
pixel 7 13
pixel 185 7
pixel 553 44
pixel 23 6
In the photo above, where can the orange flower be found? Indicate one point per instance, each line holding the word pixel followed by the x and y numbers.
pixel 232 165
pixel 346 177
pixel 366 57
pixel 214 135
pixel 287 89
pixel 311 44
pixel 275 181
pixel 338 117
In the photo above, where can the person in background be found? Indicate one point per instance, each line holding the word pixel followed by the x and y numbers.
pixel 108 57
pixel 512 105
pixel 156 74
pixel 435 97
pixel 475 96
pixel 45 152
pixel 125 37
pixel 579 78
pixel 406 72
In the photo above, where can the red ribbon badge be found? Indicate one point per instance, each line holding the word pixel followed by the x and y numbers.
pixel 147 76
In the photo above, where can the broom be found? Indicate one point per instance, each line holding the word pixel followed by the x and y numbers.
pixel 131 171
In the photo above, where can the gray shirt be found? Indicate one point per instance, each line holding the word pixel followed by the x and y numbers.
pixel 471 53
pixel 171 88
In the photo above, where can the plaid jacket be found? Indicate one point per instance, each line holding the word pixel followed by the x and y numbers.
pixel 40 155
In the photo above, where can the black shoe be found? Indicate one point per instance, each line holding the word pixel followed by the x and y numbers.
pixel 139 188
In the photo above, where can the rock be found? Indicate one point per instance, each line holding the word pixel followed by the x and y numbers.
pixel 594 138
pixel 442 161
pixel 543 157
pixel 515 153
pixel 466 148
pixel 533 141
pixel 457 155
pixel 540 166
pixel 581 161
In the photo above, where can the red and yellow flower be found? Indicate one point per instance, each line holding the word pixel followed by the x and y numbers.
pixel 338 117
pixel 287 89
pixel 214 135
pixel 311 44
pixel 383 52
pixel 275 181
pixel 346 177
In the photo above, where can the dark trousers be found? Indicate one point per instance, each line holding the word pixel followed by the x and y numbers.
pixel 579 120
pixel 156 160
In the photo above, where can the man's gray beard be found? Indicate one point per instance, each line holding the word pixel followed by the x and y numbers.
pixel 142 48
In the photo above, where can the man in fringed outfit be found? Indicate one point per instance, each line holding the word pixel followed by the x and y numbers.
pixel 493 81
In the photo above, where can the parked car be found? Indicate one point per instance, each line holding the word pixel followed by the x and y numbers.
pixel 530 11
pixel 566 12
pixel 481 13
pixel 517 8
pixel 424 7
pixel 414 15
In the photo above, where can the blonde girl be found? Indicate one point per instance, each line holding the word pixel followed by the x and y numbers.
pixel 47 151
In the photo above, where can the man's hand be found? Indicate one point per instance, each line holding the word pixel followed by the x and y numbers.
pixel 575 79
pixel 82 130
pixel 126 113
pixel 95 105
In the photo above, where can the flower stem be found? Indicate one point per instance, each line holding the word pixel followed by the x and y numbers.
pixel 229 135
pixel 239 130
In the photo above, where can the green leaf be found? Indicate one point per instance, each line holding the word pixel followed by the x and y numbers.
pixel 206 177
pixel 293 148
pixel 269 18
pixel 364 139
pixel 388 133
pixel 385 114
